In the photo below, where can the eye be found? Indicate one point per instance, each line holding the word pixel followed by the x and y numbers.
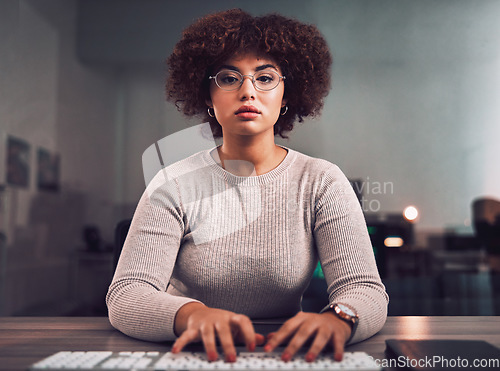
pixel 266 78
pixel 228 78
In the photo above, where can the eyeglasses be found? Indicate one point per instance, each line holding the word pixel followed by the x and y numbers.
pixel 232 80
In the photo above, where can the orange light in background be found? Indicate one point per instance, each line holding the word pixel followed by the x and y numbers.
pixel 410 213
pixel 394 242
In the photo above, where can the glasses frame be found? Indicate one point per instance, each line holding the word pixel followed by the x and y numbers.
pixel 243 78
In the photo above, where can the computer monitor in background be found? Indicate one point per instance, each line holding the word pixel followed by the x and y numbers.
pixel 388 231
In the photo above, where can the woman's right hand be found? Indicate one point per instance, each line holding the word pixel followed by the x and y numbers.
pixel 195 322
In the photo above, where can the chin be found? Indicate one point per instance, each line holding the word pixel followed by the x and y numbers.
pixel 245 127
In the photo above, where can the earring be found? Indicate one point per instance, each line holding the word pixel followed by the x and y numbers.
pixel 282 113
pixel 210 113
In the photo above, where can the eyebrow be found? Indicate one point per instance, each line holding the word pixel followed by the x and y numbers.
pixel 259 68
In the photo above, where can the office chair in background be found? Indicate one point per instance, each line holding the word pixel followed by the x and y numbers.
pixel 486 221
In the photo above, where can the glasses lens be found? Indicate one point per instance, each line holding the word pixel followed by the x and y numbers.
pixel 266 80
pixel 228 80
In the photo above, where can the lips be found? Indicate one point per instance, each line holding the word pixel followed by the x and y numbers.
pixel 243 109
pixel 247 112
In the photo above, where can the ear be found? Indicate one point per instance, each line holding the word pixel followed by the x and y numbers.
pixel 208 102
pixel 283 102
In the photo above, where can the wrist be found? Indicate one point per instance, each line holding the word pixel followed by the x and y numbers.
pixel 183 314
pixel 333 316
pixel 344 313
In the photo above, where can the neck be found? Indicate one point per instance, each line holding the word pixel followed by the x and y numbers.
pixel 245 157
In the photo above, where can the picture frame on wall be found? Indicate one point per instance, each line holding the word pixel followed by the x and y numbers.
pixel 17 162
pixel 48 170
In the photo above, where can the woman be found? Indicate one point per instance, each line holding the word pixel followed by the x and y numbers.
pixel 237 231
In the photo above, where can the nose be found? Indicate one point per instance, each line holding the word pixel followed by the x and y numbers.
pixel 247 89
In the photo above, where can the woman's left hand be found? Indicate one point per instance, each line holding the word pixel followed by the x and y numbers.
pixel 325 328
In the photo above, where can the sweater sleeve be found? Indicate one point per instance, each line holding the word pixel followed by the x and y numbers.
pixel 346 254
pixel 138 304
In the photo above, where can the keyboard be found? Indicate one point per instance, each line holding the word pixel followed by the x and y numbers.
pixel 194 361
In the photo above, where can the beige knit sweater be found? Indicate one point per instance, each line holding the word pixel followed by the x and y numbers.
pixel 245 244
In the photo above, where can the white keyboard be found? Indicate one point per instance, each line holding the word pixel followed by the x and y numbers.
pixel 192 361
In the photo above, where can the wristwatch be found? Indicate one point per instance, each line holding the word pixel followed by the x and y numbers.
pixel 346 314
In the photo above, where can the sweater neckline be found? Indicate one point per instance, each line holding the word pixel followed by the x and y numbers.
pixel 250 180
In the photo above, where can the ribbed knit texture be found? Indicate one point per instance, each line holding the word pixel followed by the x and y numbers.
pixel 245 244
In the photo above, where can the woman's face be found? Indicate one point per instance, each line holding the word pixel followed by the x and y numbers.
pixel 247 111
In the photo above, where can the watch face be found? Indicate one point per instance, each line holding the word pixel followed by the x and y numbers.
pixel 346 310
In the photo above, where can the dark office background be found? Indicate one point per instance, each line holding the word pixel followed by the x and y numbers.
pixel 412 117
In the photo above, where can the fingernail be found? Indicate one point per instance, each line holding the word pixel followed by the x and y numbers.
pixel 175 349
pixel 231 358
pixel 268 348
pixel 285 357
pixel 251 347
pixel 310 357
pixel 212 356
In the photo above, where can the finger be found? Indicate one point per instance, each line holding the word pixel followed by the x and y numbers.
pixel 187 337
pixel 283 334
pixel 246 330
pixel 318 344
pixel 208 337
pixel 274 342
pixel 260 339
pixel 301 336
pixel 338 346
pixel 226 341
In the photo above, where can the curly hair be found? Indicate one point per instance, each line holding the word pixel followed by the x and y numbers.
pixel 299 49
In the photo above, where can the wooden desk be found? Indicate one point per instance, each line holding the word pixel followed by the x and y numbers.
pixel 25 340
